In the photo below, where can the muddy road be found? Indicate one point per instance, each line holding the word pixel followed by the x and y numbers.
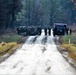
pixel 38 56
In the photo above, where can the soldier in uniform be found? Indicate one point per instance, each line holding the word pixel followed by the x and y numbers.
pixel 66 30
pixel 49 31
pixel 40 30
pixel 70 31
pixel 18 31
pixel 45 31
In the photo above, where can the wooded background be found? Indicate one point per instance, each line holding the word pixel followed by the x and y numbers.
pixel 44 13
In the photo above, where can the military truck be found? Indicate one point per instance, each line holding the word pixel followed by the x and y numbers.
pixel 30 30
pixel 22 30
pixel 60 29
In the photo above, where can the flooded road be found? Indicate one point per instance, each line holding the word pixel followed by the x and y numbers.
pixel 38 56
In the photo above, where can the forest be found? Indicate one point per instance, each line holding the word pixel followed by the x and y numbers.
pixel 14 13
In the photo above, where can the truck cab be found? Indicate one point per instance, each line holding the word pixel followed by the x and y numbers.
pixel 60 29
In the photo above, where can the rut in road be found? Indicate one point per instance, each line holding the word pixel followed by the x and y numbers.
pixel 38 56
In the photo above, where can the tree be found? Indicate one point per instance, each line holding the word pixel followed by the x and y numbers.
pixel 8 10
pixel 31 13
pixel 52 12
pixel 55 11
pixel 69 9
pixel 74 11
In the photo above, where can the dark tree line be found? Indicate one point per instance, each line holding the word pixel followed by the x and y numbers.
pixel 74 11
pixel 36 12
pixel 69 7
pixel 8 11
pixel 30 14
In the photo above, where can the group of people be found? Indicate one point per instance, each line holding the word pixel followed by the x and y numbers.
pixel 37 30
pixel 49 31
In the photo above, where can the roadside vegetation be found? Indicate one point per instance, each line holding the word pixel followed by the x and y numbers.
pixel 7 48
pixel 69 43
pixel 9 38
pixel 9 43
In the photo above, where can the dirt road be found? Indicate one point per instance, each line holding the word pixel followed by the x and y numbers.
pixel 38 56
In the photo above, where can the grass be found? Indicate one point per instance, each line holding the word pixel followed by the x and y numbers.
pixel 66 38
pixel 8 42
pixel 71 50
pixel 70 46
pixel 7 47
pixel 9 38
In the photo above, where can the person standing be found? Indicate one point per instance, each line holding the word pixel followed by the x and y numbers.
pixel 66 30
pixel 18 31
pixel 45 31
pixel 70 31
pixel 49 31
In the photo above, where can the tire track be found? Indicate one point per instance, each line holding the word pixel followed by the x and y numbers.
pixel 44 40
pixel 31 40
